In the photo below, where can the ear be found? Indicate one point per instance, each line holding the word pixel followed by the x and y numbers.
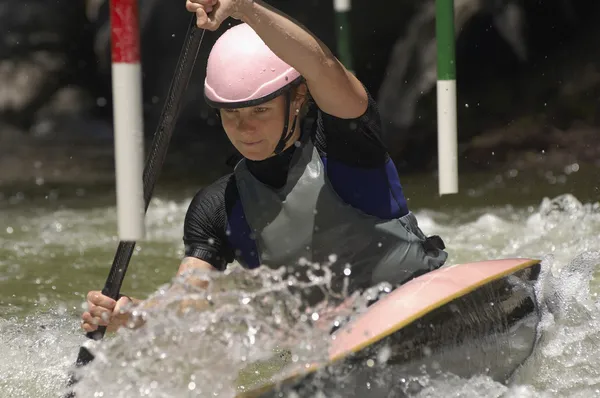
pixel 301 95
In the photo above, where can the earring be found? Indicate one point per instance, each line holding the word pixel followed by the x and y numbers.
pixel 297 111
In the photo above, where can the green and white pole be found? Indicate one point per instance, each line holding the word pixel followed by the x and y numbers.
pixel 446 97
pixel 342 21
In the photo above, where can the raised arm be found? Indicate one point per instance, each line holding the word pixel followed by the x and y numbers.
pixel 335 90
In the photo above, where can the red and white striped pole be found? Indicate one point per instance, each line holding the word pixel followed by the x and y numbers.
pixel 128 118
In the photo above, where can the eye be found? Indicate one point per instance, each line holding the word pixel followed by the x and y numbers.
pixel 228 113
pixel 260 109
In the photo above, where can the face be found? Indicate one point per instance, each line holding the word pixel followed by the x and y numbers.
pixel 255 131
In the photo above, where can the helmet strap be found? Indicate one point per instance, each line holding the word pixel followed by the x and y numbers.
pixel 286 135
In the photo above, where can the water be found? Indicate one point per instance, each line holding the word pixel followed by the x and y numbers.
pixel 54 248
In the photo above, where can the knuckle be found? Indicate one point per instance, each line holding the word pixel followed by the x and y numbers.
pixel 105 316
pixel 95 311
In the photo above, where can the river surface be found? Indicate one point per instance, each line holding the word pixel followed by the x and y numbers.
pixel 56 243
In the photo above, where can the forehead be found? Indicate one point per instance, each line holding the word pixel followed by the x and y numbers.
pixel 274 102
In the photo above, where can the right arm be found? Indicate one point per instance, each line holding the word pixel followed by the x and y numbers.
pixel 104 311
pixel 193 263
pixel 206 249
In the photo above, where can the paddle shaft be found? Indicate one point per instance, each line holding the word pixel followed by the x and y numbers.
pixel 154 162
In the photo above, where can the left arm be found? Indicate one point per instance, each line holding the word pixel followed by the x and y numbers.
pixel 335 90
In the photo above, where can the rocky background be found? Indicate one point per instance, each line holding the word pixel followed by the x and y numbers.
pixel 528 78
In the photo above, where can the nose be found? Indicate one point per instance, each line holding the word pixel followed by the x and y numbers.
pixel 243 126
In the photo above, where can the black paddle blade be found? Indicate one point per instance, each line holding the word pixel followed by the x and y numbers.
pixel 153 166
pixel 83 358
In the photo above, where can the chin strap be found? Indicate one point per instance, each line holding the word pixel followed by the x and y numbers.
pixel 286 135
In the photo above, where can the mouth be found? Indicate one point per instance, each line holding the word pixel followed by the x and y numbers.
pixel 252 143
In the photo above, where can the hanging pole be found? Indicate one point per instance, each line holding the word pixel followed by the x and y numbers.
pixel 446 97
pixel 128 118
pixel 342 21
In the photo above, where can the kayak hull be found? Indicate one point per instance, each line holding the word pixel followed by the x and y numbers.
pixel 467 319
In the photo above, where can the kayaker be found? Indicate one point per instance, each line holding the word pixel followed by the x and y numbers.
pixel 309 189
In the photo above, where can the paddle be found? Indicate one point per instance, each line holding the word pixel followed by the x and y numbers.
pixel 153 166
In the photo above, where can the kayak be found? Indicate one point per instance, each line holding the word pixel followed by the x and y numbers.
pixel 465 319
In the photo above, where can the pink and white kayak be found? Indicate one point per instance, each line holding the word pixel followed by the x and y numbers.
pixel 418 297
pixel 427 299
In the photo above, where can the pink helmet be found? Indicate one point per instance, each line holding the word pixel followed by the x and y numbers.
pixel 243 71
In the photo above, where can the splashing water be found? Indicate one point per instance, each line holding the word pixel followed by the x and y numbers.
pixel 245 327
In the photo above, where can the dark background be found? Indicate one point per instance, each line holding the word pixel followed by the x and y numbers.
pixel 528 101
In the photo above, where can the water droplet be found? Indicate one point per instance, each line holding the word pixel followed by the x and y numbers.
pixel 427 351
pixel 384 354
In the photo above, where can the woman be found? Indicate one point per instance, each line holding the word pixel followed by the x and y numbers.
pixel 324 192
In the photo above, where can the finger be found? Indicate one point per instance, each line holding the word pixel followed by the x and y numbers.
pixel 97 298
pixel 89 328
pixel 99 312
pixel 88 324
pixel 201 18
pixel 192 6
pixel 102 320
pixel 122 306
pixel 216 18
